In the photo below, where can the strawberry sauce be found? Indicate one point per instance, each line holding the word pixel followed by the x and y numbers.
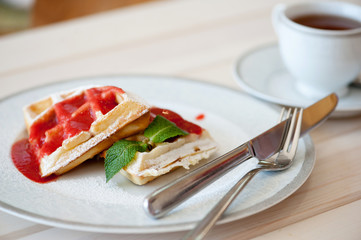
pixel 177 119
pixel 26 162
pixel 69 117
pixel 200 116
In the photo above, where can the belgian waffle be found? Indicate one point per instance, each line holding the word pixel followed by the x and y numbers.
pixel 167 156
pixel 68 128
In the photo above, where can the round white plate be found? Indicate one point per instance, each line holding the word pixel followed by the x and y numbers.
pixel 261 73
pixel 82 200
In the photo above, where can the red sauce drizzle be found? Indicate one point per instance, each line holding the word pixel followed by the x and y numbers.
pixel 177 119
pixel 103 99
pixel 27 163
pixel 200 116
pixel 69 117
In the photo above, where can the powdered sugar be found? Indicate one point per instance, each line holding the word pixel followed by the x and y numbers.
pixel 94 189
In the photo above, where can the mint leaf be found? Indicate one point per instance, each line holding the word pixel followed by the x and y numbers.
pixel 162 129
pixel 120 154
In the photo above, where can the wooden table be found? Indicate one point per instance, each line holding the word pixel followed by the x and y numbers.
pixel 199 40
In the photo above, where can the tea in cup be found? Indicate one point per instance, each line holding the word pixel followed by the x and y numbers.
pixel 320 44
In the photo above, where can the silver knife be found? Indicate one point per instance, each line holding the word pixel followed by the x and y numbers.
pixel 166 198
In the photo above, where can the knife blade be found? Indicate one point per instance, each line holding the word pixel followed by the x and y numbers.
pixel 166 198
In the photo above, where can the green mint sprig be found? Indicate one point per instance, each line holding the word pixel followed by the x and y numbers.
pixel 162 129
pixel 122 152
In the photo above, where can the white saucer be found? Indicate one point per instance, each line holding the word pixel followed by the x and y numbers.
pixel 262 74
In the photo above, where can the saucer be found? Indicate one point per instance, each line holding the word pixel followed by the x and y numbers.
pixel 261 73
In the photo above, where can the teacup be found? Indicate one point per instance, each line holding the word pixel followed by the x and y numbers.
pixel 322 59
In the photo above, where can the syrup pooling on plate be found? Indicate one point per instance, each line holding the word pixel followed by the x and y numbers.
pixel 26 162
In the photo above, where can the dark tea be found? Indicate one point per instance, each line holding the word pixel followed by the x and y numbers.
pixel 327 22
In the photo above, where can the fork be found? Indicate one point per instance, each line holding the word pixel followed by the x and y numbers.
pixel 277 162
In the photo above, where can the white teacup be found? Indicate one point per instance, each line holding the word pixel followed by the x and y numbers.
pixel 322 61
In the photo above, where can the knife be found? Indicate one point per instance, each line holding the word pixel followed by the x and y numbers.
pixel 166 198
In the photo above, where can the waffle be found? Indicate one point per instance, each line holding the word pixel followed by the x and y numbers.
pixel 68 128
pixel 166 157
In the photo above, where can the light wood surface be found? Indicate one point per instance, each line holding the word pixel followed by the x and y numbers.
pixel 200 40
pixel 45 12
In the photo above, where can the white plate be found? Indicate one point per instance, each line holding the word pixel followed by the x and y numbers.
pixel 81 199
pixel 261 73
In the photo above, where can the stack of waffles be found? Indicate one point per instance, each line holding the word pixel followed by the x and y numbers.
pixel 68 128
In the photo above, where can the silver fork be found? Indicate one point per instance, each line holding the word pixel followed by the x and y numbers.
pixel 279 161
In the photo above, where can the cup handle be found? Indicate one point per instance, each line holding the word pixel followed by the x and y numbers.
pixel 276 13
